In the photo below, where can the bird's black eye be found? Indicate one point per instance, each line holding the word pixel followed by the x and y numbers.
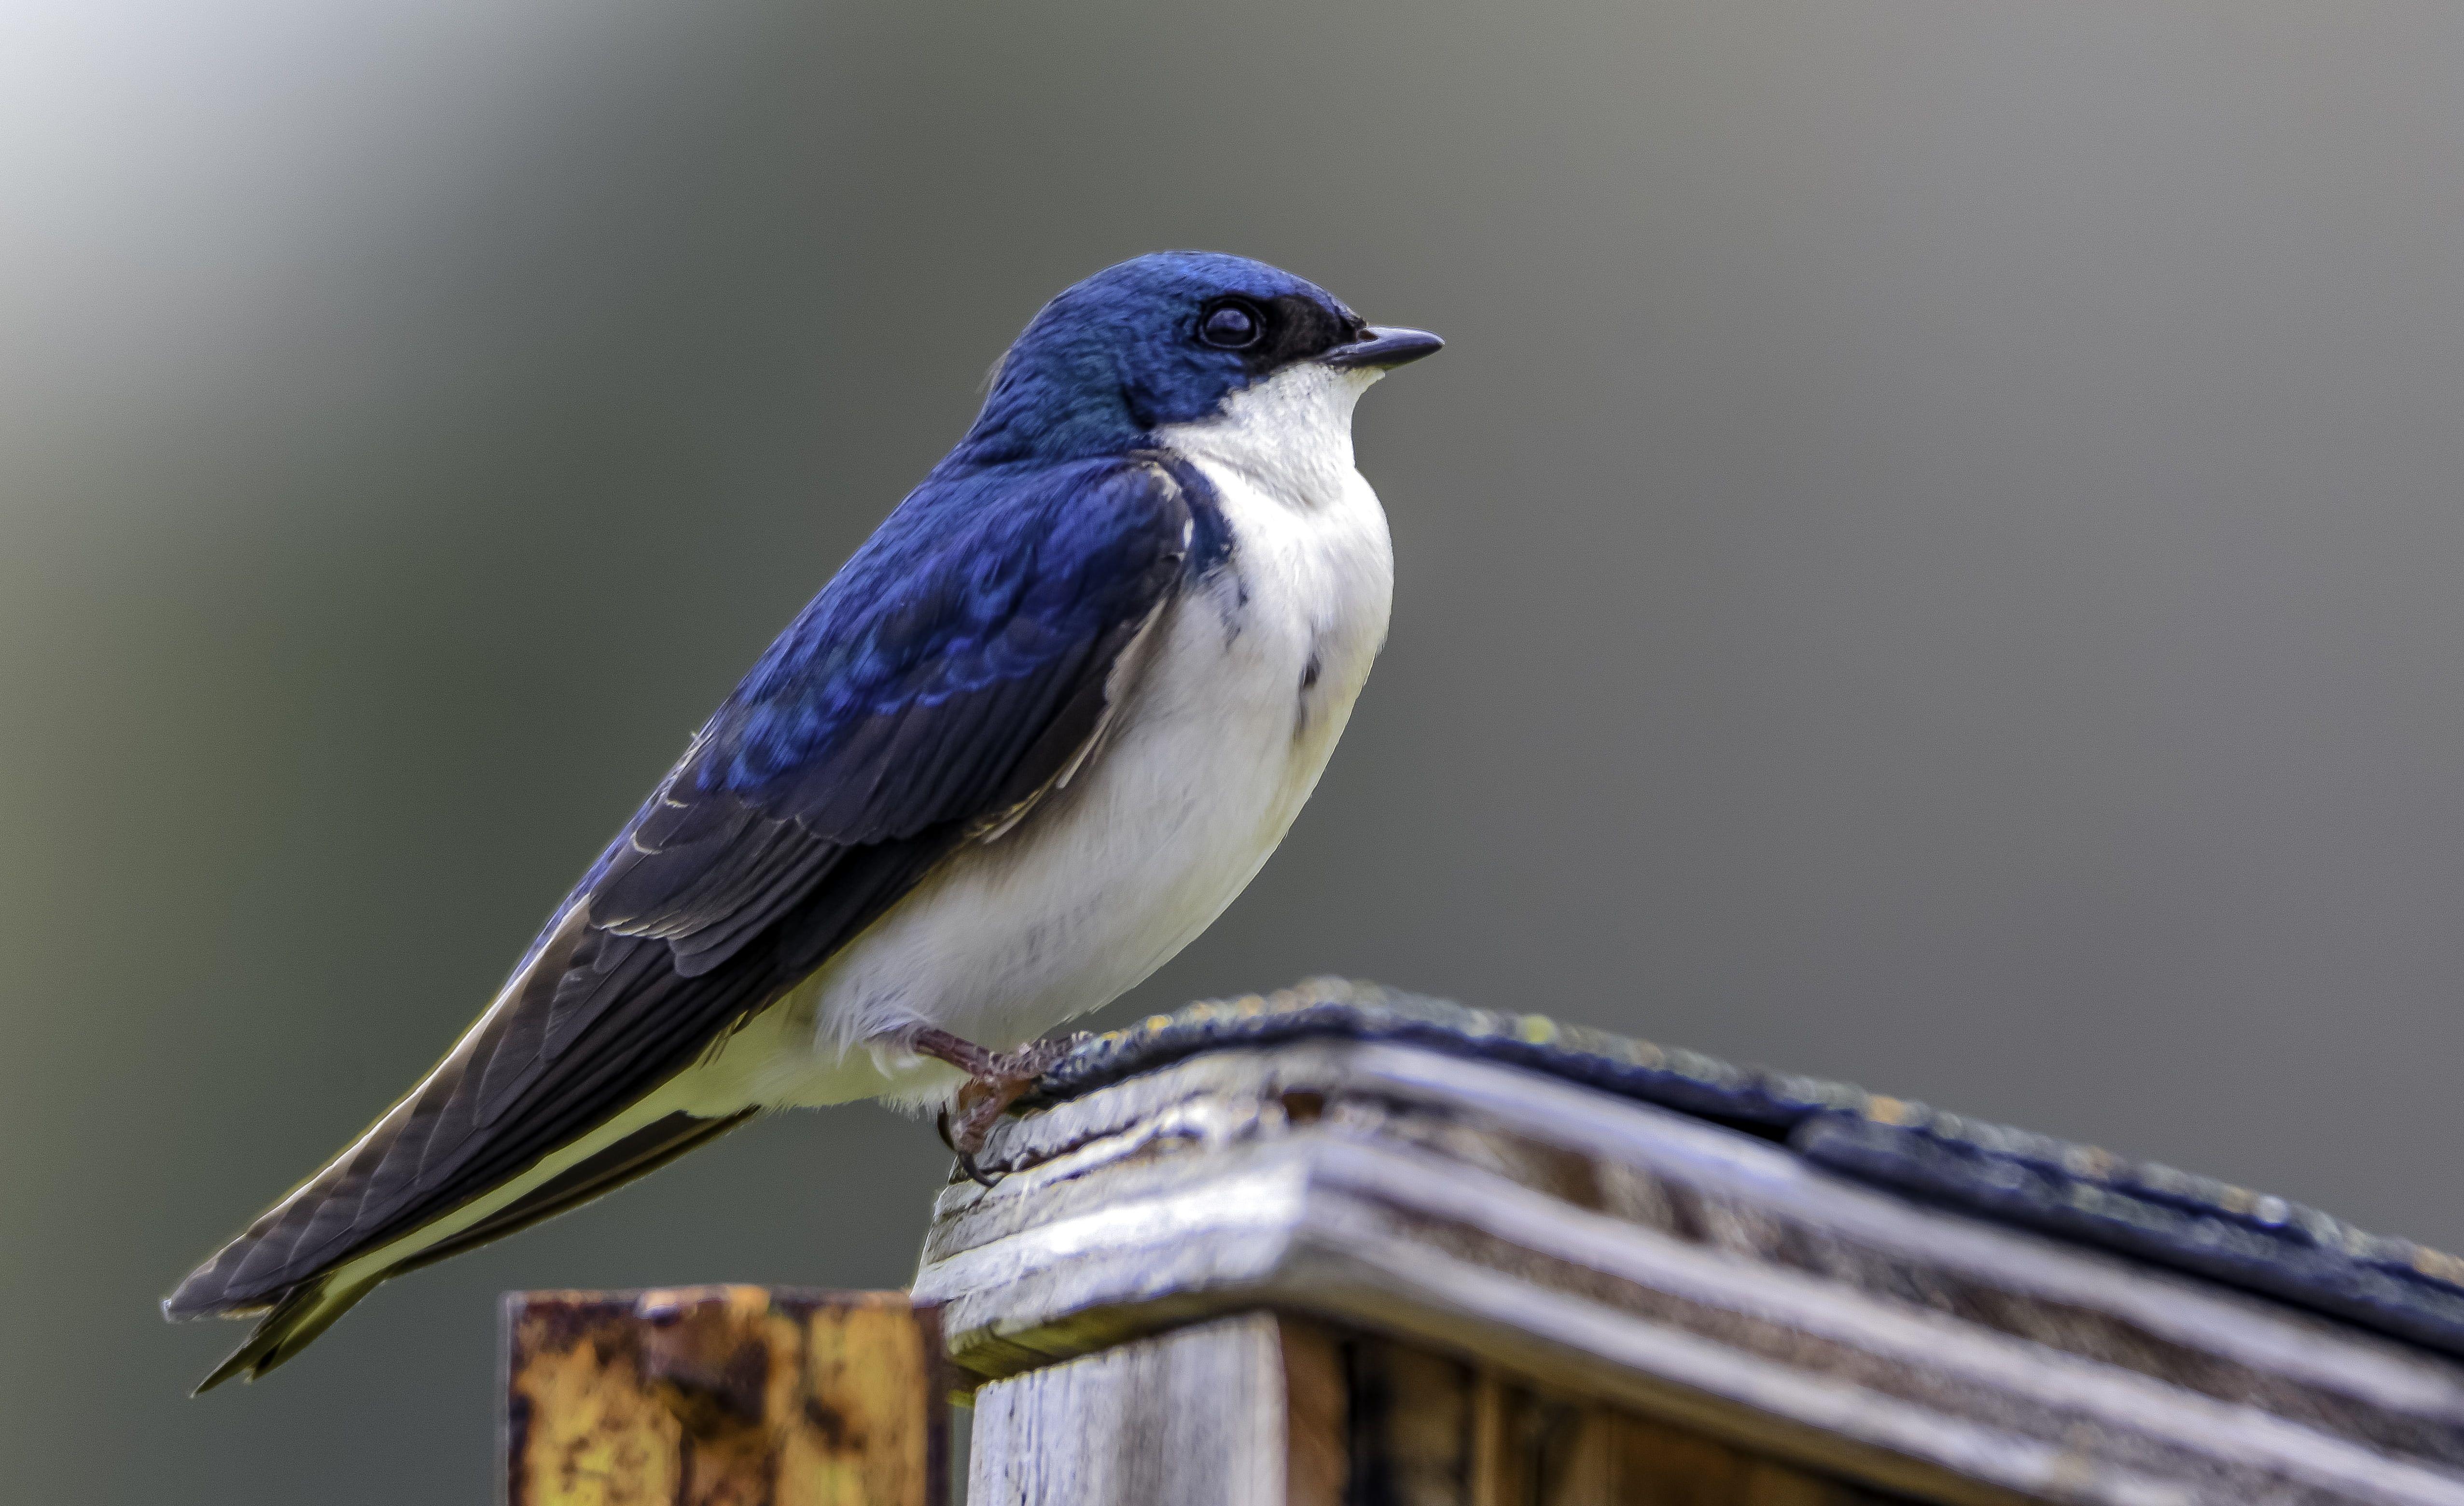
pixel 1231 326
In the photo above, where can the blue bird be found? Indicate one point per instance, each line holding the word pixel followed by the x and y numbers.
pixel 1031 739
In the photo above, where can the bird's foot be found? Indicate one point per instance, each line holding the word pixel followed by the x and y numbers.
pixel 995 1080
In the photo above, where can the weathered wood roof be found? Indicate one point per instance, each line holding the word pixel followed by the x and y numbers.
pixel 1845 1282
pixel 2253 1240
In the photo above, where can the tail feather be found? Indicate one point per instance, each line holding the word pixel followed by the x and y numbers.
pixel 308 1311
pixel 301 1312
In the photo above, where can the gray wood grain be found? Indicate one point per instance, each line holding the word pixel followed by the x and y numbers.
pixel 1677 1268
pixel 1194 1416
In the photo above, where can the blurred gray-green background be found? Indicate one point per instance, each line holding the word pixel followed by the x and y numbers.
pixel 1933 558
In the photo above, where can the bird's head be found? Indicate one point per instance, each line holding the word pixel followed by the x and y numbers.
pixel 1167 340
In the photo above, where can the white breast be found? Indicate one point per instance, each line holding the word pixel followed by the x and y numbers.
pixel 1216 747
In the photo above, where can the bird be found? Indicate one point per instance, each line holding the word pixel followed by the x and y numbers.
pixel 1029 741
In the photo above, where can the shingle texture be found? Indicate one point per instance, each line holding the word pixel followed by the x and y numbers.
pixel 2151 1212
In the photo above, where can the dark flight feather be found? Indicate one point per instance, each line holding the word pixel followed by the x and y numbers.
pixel 957 665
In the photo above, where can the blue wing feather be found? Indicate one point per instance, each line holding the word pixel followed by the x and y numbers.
pixel 967 585
pixel 948 672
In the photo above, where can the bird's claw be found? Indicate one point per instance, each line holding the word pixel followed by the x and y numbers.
pixel 967 1163
pixel 995 1080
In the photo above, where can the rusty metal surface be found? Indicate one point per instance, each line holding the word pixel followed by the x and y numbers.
pixel 2152 1212
pixel 722 1396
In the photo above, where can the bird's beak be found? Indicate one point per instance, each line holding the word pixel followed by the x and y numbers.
pixel 1380 348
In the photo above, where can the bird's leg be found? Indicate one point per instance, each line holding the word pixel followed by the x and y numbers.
pixel 995 1080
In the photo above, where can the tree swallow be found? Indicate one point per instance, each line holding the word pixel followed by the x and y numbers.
pixel 1029 741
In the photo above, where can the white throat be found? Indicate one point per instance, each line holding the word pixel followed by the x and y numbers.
pixel 1288 436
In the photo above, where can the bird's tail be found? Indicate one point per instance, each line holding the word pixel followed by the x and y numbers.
pixel 302 1307
pixel 305 1312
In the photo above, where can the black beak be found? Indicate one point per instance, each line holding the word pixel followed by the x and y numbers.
pixel 1382 348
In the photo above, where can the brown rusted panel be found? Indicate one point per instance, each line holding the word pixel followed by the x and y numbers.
pixel 1648 1463
pixel 1528 1448
pixel 1666 1466
pixel 1317 1416
pixel 723 1396
pixel 1494 1467
pixel 1411 1434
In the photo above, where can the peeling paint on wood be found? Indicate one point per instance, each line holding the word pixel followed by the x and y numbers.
pixel 722 1396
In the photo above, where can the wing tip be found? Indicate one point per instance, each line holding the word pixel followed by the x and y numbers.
pixel 208 1291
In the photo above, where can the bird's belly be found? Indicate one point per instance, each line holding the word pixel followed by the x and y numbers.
pixel 1215 752
pixel 1100 886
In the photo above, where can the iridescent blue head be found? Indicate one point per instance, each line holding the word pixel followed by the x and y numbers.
pixel 1163 339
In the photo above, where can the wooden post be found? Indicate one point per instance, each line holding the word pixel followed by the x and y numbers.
pixel 723 1396
pixel 1128 1426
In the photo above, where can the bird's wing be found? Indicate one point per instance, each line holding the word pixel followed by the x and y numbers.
pixel 963 663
